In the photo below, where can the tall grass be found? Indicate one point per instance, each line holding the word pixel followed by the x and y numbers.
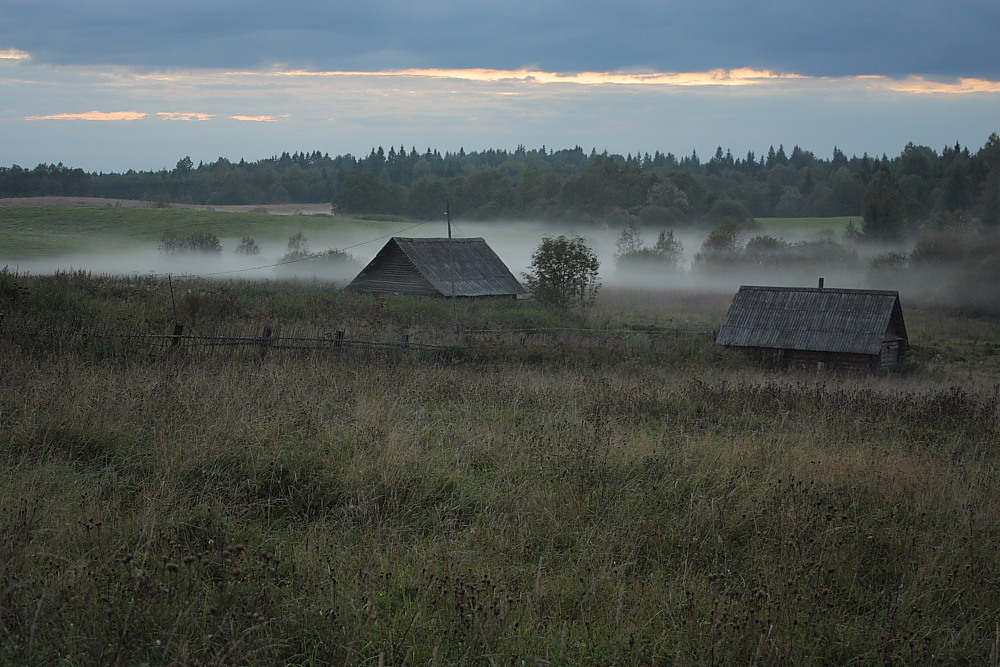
pixel 494 509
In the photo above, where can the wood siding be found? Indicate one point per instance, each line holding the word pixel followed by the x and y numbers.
pixel 392 272
pixel 862 329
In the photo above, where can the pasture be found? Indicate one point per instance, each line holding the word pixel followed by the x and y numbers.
pixel 537 506
pixel 44 232
pixel 123 240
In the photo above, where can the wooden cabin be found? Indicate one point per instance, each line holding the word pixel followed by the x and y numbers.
pixel 844 328
pixel 437 267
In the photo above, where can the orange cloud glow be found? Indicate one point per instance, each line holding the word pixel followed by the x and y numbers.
pixel 92 115
pixel 719 77
pixel 184 115
pixel 920 85
pixel 256 119
pixel 743 76
pixel 14 54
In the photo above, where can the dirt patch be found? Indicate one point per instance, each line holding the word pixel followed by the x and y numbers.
pixel 100 202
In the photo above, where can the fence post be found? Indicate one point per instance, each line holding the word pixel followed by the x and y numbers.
pixel 265 339
pixel 406 341
pixel 338 340
pixel 178 332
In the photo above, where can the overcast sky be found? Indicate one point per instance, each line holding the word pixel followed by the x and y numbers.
pixel 112 85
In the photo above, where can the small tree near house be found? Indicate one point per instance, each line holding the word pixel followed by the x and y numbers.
pixel 564 272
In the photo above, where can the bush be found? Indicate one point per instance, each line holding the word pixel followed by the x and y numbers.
pixel 720 248
pixel 205 243
pixel 632 253
pixel 332 263
pixel 248 247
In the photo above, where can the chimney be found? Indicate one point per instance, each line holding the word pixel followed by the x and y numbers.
pixel 821 283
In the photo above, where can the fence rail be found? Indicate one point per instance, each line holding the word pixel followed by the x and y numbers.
pixel 273 337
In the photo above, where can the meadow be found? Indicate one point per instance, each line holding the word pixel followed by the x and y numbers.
pixel 40 232
pixel 544 505
pixel 123 240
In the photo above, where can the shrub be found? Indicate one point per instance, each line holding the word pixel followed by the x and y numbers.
pixel 632 253
pixel 248 247
pixel 720 248
pixel 204 243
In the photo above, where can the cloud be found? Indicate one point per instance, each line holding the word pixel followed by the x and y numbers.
pixel 845 38
pixel 14 54
pixel 920 85
pixel 743 76
pixel 718 77
pixel 92 115
pixel 341 111
pixel 184 115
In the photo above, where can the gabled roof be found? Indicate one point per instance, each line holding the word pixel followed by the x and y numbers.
pixel 815 319
pixel 438 265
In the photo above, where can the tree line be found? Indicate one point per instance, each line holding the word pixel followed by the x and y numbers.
pixel 920 184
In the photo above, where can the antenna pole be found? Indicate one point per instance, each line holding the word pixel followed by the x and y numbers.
pixel 447 212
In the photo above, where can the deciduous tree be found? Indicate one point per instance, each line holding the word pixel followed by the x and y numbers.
pixel 564 272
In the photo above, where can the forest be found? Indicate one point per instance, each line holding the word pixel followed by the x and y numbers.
pixel 918 188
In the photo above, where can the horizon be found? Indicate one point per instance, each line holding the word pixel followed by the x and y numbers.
pixel 120 86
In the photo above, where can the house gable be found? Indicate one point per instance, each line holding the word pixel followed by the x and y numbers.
pixel 437 267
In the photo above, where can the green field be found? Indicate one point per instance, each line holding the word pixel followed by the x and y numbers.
pixel 39 232
pixel 538 505
pixel 43 232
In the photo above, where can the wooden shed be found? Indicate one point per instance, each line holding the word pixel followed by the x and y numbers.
pixel 849 328
pixel 437 267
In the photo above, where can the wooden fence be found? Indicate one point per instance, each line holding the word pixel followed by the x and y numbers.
pixel 113 338
pixel 268 338
pixel 651 340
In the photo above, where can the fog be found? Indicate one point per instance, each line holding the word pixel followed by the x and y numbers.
pixel 513 240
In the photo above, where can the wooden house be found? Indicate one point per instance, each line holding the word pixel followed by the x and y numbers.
pixel 849 328
pixel 437 267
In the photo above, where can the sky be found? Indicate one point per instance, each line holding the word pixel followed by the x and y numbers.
pixel 113 85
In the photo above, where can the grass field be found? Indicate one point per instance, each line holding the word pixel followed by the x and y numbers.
pixel 546 506
pixel 45 232
pixel 39 232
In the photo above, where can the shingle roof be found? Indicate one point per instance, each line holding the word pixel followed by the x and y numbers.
pixel 817 319
pixel 473 266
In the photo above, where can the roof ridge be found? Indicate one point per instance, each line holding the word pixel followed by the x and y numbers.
pixel 418 239
pixel 836 290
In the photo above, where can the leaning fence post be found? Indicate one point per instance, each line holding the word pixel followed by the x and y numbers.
pixel 406 341
pixel 265 339
pixel 178 332
pixel 338 340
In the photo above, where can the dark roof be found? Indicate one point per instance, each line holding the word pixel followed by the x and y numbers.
pixel 815 319
pixel 434 265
